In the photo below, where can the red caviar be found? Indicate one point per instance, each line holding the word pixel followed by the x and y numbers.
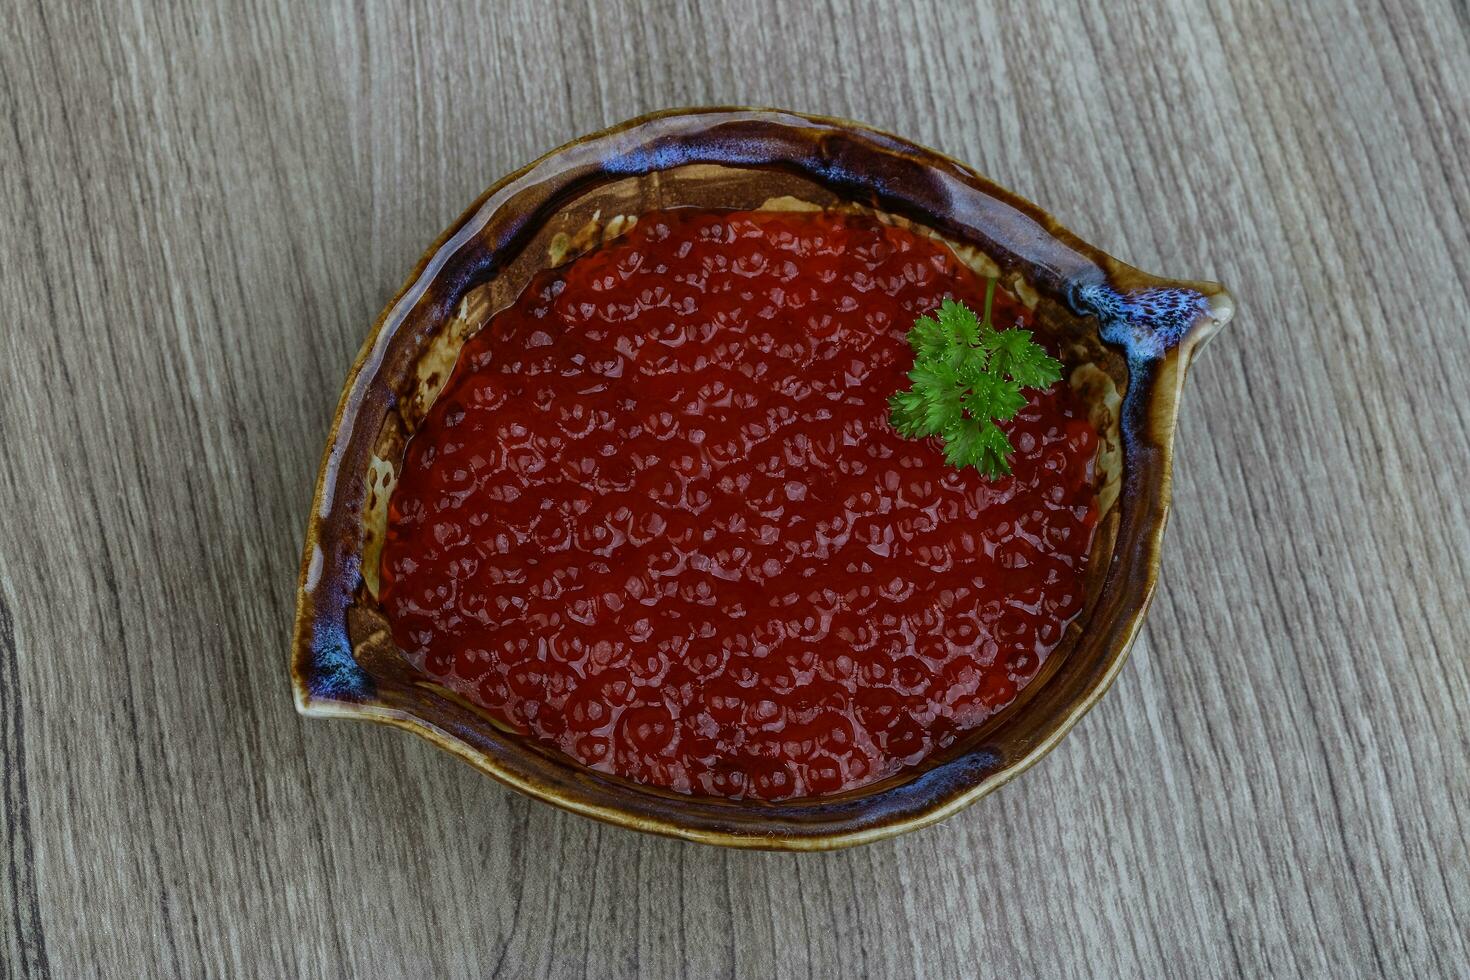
pixel 657 517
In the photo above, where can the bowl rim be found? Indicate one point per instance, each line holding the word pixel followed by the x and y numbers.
pixel 1158 324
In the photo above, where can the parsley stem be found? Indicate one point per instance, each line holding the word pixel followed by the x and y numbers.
pixel 989 298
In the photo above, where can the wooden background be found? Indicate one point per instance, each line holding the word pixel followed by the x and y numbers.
pixel 203 208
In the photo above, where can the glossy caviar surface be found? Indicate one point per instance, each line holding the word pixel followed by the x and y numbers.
pixel 658 519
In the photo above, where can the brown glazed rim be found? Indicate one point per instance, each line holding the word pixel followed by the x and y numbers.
pixel 1153 324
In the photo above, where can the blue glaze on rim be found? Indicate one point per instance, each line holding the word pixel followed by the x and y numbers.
pixel 335 673
pixel 1146 323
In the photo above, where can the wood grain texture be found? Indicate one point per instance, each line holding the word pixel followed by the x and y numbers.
pixel 205 205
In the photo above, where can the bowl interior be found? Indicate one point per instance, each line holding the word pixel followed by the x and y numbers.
pixel 347 663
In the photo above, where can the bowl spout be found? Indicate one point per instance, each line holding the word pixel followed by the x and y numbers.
pixel 1151 320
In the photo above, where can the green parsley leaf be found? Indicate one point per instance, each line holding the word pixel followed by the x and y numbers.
pixel 967 376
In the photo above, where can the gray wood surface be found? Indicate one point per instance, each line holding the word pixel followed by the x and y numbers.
pixel 203 208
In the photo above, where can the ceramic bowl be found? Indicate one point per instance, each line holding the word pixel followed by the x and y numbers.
pixel 1127 339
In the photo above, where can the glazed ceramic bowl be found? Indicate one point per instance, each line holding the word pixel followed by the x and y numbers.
pixel 1126 339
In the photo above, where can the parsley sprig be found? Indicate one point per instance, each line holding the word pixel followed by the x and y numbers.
pixel 968 376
